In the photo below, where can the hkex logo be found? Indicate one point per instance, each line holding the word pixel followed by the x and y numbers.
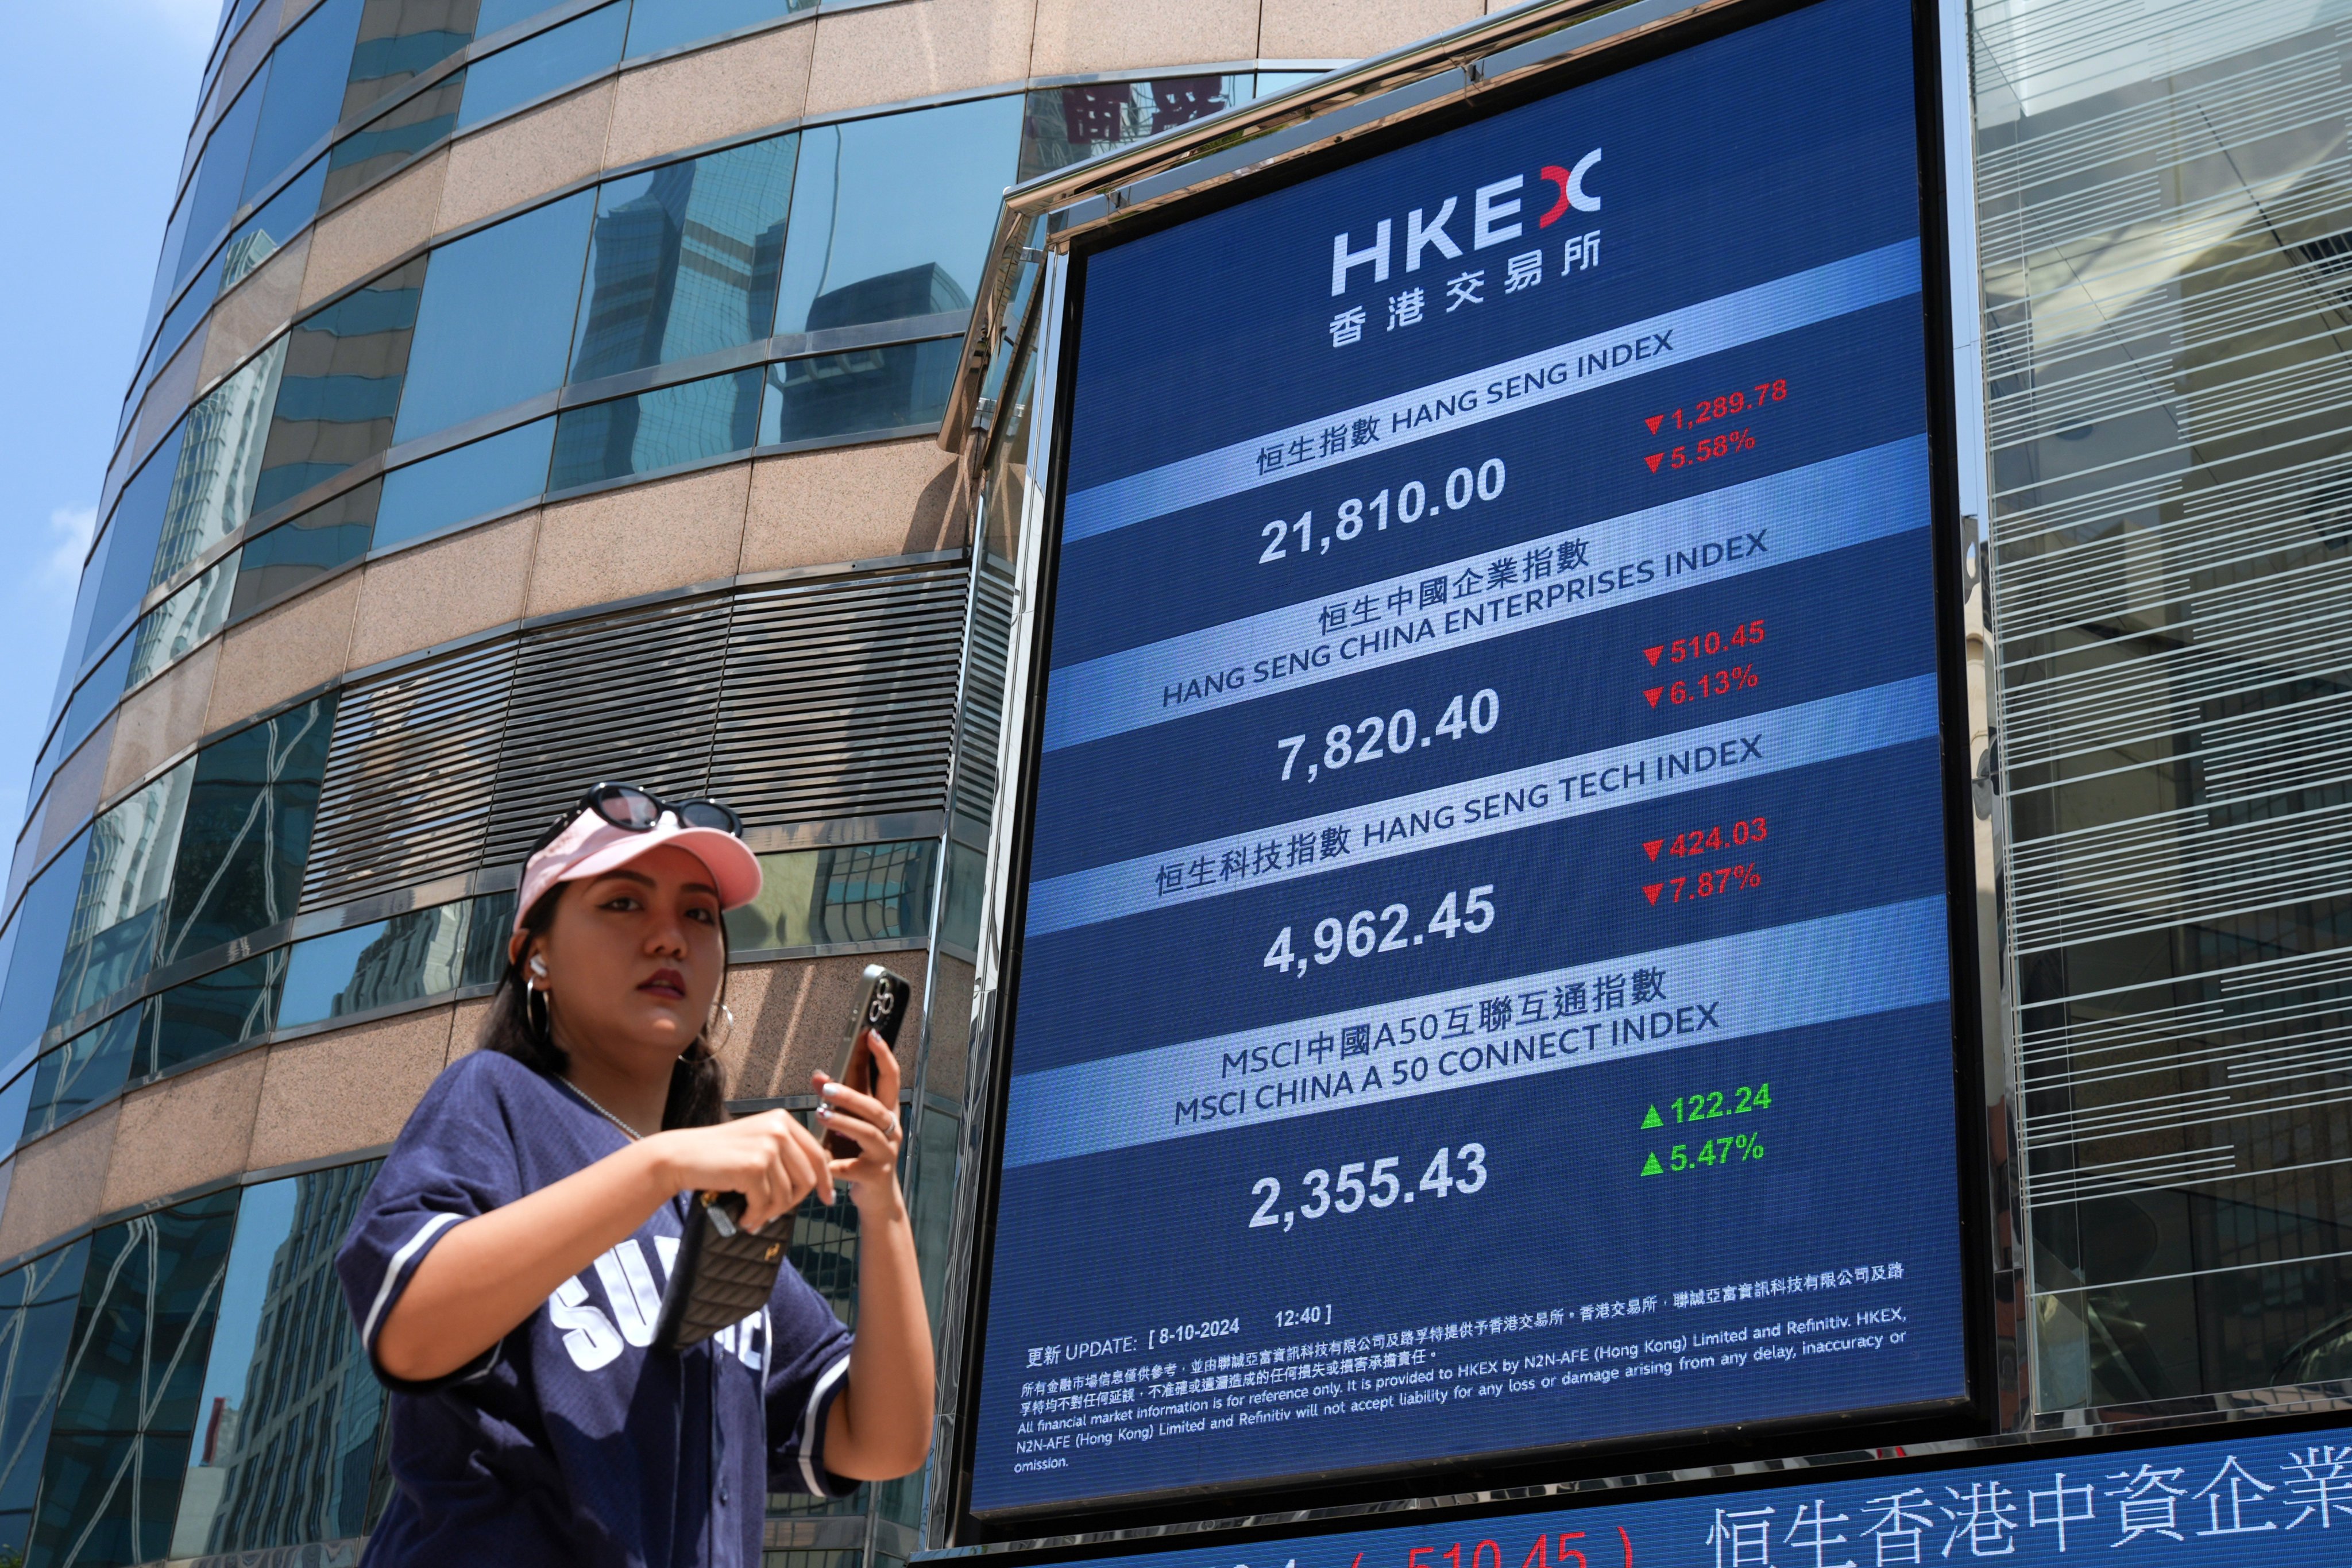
pixel 1494 220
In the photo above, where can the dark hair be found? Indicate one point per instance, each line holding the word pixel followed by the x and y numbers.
pixel 697 1092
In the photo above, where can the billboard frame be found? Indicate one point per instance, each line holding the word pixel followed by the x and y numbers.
pixel 1027 308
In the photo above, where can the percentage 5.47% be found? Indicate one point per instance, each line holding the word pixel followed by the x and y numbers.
pixel 1738 1149
pixel 1699 688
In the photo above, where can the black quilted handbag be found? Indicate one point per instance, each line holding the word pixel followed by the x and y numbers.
pixel 724 1272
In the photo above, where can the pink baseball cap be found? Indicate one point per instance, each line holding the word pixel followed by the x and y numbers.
pixel 589 846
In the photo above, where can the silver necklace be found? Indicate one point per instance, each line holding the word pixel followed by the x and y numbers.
pixel 631 1133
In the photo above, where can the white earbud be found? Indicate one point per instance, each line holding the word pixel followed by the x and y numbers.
pixel 538 966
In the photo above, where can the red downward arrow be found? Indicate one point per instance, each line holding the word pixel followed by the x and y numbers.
pixel 1653 421
pixel 1654 693
pixel 1652 654
pixel 1653 460
pixel 1653 846
pixel 1651 893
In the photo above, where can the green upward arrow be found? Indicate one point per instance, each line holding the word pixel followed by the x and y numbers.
pixel 1650 1167
pixel 1653 1119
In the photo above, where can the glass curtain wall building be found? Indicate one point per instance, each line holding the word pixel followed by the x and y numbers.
pixel 2164 225
pixel 529 394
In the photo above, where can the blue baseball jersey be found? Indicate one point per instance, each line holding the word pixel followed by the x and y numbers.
pixel 570 1441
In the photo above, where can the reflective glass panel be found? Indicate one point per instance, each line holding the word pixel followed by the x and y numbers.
pixel 221 450
pixel 1271 82
pixel 258 237
pixel 487 928
pixel 959 915
pixel 185 312
pixel 219 184
pixel 340 387
pixel 181 621
pixel 891 216
pixel 118 1446
pixel 368 154
pixel 865 390
pixel 499 15
pixel 233 17
pixel 36 1334
pixel 307 547
pixel 84 1071
pixel 657 429
pixel 123 879
pixel 43 918
pixel 289 1418
pixel 1005 486
pixel 658 24
pixel 1065 125
pixel 543 62
pixel 405 959
pixel 496 322
pixel 464 482
pixel 246 831
pixel 399 41
pixel 86 597
pixel 206 1016
pixel 865 892
pixel 167 274
pixel 125 562
pixel 15 1101
pixel 306 91
pixel 683 259
pixel 92 700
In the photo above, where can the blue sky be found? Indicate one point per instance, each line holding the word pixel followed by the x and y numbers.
pixel 97 100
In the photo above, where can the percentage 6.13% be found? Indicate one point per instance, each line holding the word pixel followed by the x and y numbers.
pixel 1724 682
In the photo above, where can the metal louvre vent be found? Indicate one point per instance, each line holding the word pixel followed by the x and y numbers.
pixel 980 724
pixel 408 780
pixel 839 698
pixel 628 697
pixel 797 702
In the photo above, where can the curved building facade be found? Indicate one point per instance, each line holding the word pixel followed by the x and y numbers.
pixel 535 392
pixel 529 394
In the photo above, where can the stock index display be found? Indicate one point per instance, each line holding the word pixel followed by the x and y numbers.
pixel 1485 979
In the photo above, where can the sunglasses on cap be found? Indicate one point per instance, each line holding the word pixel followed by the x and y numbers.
pixel 635 810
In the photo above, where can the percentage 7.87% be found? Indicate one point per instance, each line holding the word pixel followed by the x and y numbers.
pixel 1704 885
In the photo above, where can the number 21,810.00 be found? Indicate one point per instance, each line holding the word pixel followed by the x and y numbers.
pixel 1451 1172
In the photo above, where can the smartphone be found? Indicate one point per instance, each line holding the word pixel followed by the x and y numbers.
pixel 882 997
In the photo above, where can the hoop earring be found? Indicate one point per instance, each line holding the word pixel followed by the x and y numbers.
pixel 725 1035
pixel 536 1018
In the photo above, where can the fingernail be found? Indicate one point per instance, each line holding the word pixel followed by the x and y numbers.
pixel 824 1112
pixel 830 1088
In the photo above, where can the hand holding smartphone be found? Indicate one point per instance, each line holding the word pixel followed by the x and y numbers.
pixel 882 1001
pixel 724 1273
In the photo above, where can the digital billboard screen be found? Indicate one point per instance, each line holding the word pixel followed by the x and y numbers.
pixel 1485 963
pixel 2255 1500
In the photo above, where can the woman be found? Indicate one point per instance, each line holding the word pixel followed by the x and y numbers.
pixel 506 1266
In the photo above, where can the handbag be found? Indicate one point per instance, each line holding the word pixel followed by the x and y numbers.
pixel 724 1272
